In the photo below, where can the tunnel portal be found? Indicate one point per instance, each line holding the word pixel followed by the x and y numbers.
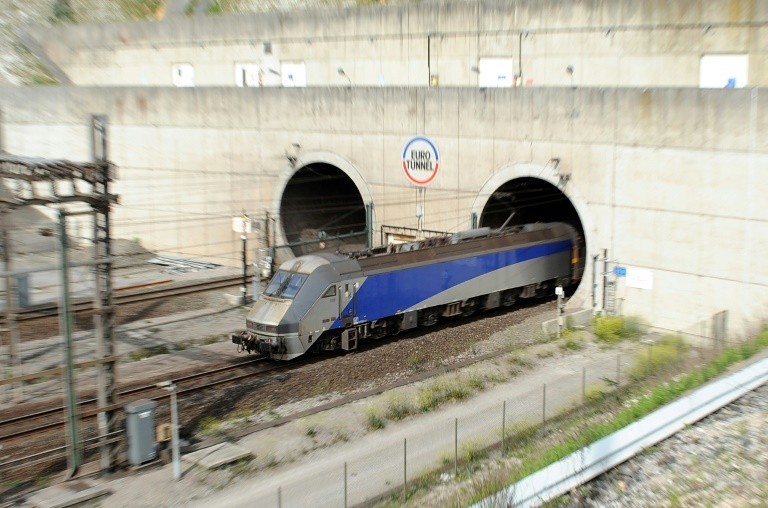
pixel 321 208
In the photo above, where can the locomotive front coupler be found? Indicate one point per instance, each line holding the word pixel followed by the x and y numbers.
pixel 244 341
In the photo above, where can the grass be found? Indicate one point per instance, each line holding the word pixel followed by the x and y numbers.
pixel 398 407
pixel 441 391
pixel 612 329
pixel 572 340
pixel 210 425
pixel 416 360
pixel 374 419
pixel 147 352
pixel 212 339
pixel 472 451
pixel 140 9
pixel 667 352
pixel 189 9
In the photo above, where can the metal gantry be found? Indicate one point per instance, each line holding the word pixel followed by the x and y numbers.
pixel 51 182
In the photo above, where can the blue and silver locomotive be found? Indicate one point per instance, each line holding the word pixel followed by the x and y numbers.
pixel 330 301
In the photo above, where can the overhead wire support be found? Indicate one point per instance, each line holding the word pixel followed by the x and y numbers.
pixel 38 182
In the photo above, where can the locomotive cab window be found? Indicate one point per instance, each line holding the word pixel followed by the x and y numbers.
pixel 285 285
pixel 331 291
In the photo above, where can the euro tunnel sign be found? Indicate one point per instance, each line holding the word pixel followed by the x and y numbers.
pixel 421 160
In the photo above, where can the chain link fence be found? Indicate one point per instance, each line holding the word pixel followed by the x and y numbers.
pixel 444 444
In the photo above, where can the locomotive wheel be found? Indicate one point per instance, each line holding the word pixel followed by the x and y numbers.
pixel 428 317
pixel 470 307
pixel 393 326
pixel 380 332
pixel 508 298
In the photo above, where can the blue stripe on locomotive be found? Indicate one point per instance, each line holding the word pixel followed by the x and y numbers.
pixel 387 293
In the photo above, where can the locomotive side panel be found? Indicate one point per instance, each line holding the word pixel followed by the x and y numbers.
pixel 393 292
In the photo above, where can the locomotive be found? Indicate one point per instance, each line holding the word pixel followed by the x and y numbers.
pixel 330 301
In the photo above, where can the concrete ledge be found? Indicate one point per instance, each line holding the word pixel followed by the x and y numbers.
pixel 217 455
pixel 67 494
pixel 578 318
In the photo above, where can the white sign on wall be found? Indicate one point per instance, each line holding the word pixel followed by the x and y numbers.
pixel 723 71
pixel 294 74
pixel 496 73
pixel 183 74
pixel 640 278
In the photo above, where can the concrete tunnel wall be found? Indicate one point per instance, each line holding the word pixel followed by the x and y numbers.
pixel 602 42
pixel 668 180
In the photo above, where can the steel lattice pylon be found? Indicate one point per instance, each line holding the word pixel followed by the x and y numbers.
pixel 41 181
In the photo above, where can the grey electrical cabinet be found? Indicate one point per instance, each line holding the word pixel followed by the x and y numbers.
pixel 140 430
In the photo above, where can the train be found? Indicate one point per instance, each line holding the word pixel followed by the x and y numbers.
pixel 330 301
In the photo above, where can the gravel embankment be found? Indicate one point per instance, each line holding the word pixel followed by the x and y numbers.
pixel 720 461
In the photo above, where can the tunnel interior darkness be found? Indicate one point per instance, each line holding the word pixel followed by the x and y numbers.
pixel 322 208
pixel 528 200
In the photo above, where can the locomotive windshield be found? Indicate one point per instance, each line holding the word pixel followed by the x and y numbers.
pixel 285 284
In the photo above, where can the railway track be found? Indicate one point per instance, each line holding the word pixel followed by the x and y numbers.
pixel 132 294
pixel 17 432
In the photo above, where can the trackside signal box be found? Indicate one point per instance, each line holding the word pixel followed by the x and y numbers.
pixel 140 431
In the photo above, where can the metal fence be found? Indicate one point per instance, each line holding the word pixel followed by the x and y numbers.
pixel 443 443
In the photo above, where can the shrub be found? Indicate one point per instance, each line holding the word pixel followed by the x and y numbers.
pixel 608 328
pixel 374 418
pixel 611 329
pixel 398 407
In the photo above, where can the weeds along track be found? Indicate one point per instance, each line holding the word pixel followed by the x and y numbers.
pixel 143 301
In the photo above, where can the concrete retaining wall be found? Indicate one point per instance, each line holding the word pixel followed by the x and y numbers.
pixel 668 180
pixel 603 42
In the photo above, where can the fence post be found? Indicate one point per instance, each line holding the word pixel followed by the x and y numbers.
pixel 456 448
pixel 345 485
pixel 503 425
pixel 405 469
pixel 544 404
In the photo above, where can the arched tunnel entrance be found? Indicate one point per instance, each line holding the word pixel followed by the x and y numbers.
pixel 321 208
pixel 528 199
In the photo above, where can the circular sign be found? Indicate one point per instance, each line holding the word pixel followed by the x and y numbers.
pixel 420 160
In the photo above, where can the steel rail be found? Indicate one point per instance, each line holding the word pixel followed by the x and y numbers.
pixel 85 305
pixel 130 391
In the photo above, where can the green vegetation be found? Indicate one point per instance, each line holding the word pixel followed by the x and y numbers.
pixel 142 353
pixel 374 418
pixel 398 407
pixel 416 360
pixel 140 9
pixel 667 352
pixel 213 339
pixel 533 458
pixel 612 329
pixel 210 425
pixel 191 6
pixel 472 451
pixel 572 340
pixel 62 12
pixel 441 391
